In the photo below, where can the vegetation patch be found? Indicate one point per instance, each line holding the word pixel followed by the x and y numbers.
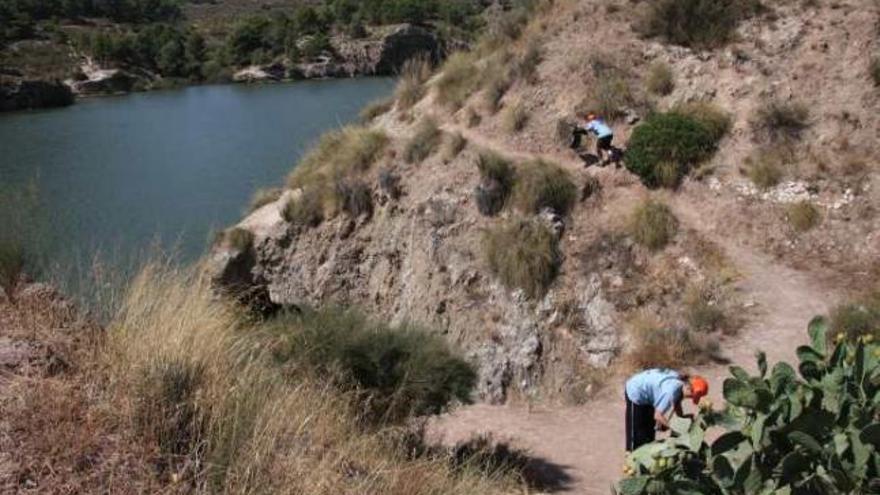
pixel 661 80
pixel 609 96
pixel 399 372
pixel 653 225
pixel 803 216
pixel 515 117
pixel 857 319
pixel 668 138
pixel 454 144
pixel 354 197
pixel 704 310
pixel 459 79
pixel 264 197
pixel 874 70
pixel 424 142
pixel 540 184
pixel 654 345
pixel 528 63
pixel 305 210
pixel 710 116
pixel 413 76
pixel 765 170
pixel 338 154
pixel 496 87
pixel 497 179
pixel 781 122
pixel 703 24
pixel 524 254
pixel 376 109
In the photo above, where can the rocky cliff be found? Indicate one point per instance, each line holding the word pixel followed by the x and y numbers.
pixel 23 94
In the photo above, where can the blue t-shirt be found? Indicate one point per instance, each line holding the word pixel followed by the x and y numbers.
pixel 660 388
pixel 599 128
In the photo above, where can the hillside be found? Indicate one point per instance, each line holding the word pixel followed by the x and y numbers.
pixel 422 256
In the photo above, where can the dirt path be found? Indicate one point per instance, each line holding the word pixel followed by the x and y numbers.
pixel 580 449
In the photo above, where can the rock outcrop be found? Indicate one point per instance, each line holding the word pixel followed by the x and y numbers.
pixel 23 94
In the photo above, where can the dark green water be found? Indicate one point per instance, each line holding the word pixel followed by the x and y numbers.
pixel 119 174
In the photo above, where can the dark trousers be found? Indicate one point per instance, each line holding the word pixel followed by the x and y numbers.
pixel 640 425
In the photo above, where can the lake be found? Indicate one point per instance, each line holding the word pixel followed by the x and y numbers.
pixel 170 167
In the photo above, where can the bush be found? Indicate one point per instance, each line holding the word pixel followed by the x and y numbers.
pixel 778 429
pixel 263 197
pixel 803 216
pixel 354 197
pixel 541 185
pixel 458 80
pixel 523 254
pixel 411 88
pixel 653 225
pixel 338 154
pixel 780 121
pixel 515 117
pixel 858 318
pixel 669 138
pixel 424 142
pixel 704 24
pixel 664 347
pixel 661 80
pixel 307 210
pixel 712 118
pixel 399 371
pixel 375 109
pixel 764 171
pixel 497 179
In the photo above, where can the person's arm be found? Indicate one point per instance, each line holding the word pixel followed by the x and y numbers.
pixel 680 412
pixel 662 419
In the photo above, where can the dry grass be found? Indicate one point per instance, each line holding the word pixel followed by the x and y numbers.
pixel 609 96
pixel 874 70
pixel 263 197
pixel 472 118
pixel 453 145
pixel 655 345
pixel 195 382
pixel 338 153
pixel 306 209
pixel 660 80
pixel 764 170
pixel 458 80
pixel 424 142
pixel 652 224
pixel 528 63
pixel 375 109
pixel 780 122
pixel 497 84
pixel 803 216
pixel 540 184
pixel 237 238
pixel 411 88
pixel 515 117
pixel 523 254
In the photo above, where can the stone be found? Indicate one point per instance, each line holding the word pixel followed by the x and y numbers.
pixel 24 94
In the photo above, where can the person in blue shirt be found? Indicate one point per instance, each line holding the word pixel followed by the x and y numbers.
pixel 595 125
pixel 651 398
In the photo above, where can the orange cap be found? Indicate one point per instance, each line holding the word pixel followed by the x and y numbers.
pixel 699 387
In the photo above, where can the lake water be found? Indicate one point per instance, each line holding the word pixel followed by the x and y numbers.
pixel 119 173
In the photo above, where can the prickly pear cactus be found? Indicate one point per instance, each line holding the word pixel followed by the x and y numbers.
pixel 814 430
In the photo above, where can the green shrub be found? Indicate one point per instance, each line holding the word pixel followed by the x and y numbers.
pixel 523 254
pixel 400 371
pixel 712 118
pixel 458 80
pixel 856 319
pixel 411 88
pixel 424 142
pixel 668 138
pixel 778 429
pixel 803 216
pixel 515 117
pixel 778 121
pixel 540 185
pixel 375 109
pixel 764 170
pixel 265 196
pixel 661 80
pixel 702 24
pixel 653 225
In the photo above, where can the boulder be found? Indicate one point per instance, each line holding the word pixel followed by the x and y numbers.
pixel 22 94
pixel 261 73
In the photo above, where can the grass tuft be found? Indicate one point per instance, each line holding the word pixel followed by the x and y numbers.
pixel 515 117
pixel 375 109
pixel 354 197
pixel 413 76
pixel 458 80
pixel 424 142
pixel 306 210
pixel 874 70
pixel 653 225
pixel 661 80
pixel 263 197
pixel 780 122
pixel 523 254
pixel 338 154
pixel 653 345
pixel 764 170
pixel 803 216
pixel 497 179
pixel 540 184
pixel 703 24
pixel 454 144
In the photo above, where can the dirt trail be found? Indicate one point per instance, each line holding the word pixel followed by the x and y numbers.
pixel 579 450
